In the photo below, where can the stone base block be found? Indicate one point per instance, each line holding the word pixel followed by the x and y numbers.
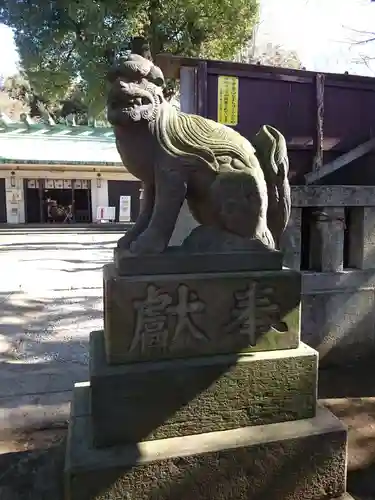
pixel 151 317
pixel 286 461
pixel 164 399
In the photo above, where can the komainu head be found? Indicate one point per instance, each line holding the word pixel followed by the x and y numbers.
pixel 136 91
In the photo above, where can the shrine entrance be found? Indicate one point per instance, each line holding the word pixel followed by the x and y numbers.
pixel 57 201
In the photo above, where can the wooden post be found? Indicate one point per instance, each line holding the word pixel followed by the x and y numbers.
pixel 202 89
pixel 189 104
pixel 73 200
pixel 41 187
pixel 319 135
pixel 188 89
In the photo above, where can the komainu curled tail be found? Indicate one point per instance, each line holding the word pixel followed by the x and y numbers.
pixel 271 151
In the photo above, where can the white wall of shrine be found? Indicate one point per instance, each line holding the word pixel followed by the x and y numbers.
pixel 185 222
pixel 15 200
pixel 99 196
pixel 15 194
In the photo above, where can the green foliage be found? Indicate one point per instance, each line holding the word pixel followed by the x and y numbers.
pixel 18 89
pixel 12 107
pixel 60 41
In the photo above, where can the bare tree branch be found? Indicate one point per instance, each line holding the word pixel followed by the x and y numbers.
pixel 365 60
pixel 361 32
pixel 363 42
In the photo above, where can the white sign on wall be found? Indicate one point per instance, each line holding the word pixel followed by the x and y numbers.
pixel 125 209
pixel 106 214
pixel 13 196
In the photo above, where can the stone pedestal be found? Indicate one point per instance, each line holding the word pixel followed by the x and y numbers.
pixel 304 459
pixel 168 316
pixel 201 394
pixel 200 388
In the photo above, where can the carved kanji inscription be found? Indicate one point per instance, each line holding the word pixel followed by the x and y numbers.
pixel 163 319
pixel 255 311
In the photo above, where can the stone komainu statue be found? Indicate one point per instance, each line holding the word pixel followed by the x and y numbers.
pixel 228 184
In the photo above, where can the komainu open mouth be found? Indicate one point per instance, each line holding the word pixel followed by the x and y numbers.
pixel 133 100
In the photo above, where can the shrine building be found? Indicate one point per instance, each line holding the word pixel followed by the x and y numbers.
pixel 75 166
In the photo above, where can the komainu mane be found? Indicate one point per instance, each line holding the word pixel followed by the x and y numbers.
pixel 228 183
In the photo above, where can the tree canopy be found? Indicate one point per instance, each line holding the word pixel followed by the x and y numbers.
pixel 269 54
pixel 66 46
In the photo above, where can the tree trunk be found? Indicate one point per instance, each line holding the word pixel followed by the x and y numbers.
pixel 140 46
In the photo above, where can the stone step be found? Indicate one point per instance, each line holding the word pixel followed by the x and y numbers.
pixel 298 460
pixel 152 400
pixel 180 315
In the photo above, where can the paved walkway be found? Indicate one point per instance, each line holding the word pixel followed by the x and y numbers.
pixel 50 299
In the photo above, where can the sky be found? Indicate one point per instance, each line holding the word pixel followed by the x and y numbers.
pixel 323 33
pixel 9 56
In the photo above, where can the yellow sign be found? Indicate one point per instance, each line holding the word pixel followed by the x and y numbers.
pixel 227 100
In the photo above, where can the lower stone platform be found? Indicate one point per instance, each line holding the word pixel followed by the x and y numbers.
pixel 298 460
pixel 157 400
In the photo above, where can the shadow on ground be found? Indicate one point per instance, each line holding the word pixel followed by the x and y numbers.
pixel 44 347
pixel 349 392
pixel 47 329
pixel 43 352
pixel 37 474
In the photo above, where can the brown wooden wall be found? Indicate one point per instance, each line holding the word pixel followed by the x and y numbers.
pixel 287 100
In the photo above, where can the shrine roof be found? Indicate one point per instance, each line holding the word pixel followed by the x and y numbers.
pixel 31 143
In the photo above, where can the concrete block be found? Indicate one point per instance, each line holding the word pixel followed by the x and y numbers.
pixel 153 400
pixel 339 323
pixel 327 240
pixel 171 316
pixel 291 240
pixel 285 461
pixel 333 196
pixel 362 237
pixel 347 281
